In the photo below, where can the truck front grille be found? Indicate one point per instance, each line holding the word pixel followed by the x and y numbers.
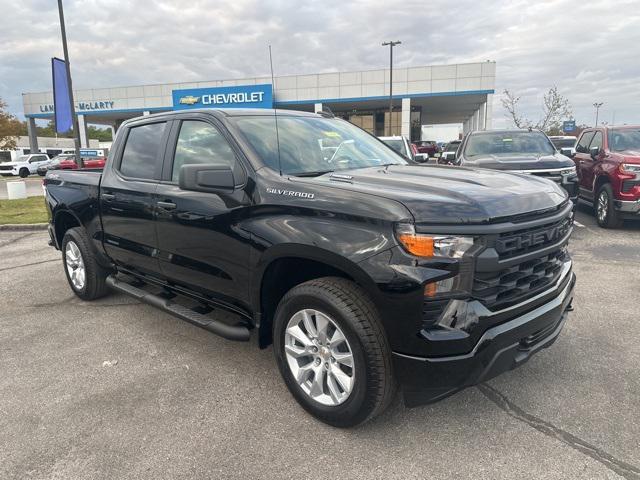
pixel 555 176
pixel 627 185
pixel 6 167
pixel 518 282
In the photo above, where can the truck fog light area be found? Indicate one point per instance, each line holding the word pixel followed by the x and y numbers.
pixel 458 315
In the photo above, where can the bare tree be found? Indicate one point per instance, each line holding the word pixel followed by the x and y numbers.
pixel 10 128
pixel 555 109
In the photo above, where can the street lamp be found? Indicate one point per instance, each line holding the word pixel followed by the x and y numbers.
pixel 391 44
pixel 597 107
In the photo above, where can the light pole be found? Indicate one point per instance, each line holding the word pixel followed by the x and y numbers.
pixel 76 129
pixel 391 45
pixel 597 107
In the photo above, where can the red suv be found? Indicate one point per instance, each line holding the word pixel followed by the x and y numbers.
pixel 608 164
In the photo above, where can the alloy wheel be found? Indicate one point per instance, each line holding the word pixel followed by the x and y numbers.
pixel 319 357
pixel 75 265
pixel 603 206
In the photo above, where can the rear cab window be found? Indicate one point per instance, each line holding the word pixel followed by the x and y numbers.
pixel 141 155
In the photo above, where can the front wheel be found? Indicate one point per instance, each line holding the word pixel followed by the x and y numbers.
pixel 606 214
pixel 332 351
pixel 24 173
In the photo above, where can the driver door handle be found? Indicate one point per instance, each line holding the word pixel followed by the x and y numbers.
pixel 107 197
pixel 167 205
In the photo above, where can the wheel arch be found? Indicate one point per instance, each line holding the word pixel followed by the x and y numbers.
pixel 284 266
pixel 63 220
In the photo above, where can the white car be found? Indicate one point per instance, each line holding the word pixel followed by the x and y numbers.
pixel 400 145
pixel 24 165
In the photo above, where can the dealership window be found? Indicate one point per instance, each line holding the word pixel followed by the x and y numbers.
pixel 200 142
pixel 141 151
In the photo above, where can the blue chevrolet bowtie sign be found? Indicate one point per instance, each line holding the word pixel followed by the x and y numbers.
pixel 243 96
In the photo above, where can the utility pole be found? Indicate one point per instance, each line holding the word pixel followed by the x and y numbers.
pixel 391 44
pixel 597 107
pixel 76 129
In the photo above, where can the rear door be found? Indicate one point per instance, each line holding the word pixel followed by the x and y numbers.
pixel 36 161
pixel 201 243
pixel 584 163
pixel 127 196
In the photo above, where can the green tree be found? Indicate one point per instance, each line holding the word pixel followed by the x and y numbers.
pixel 10 128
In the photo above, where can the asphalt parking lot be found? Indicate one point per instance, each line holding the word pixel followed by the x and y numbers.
pixel 116 389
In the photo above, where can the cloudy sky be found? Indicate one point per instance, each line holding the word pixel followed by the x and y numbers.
pixel 590 50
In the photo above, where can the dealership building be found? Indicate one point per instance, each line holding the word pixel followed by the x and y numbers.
pixel 427 95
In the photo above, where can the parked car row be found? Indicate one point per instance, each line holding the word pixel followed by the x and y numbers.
pixel 600 168
pixel 68 162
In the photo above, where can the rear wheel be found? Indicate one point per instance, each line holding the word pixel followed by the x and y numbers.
pixel 332 351
pixel 606 214
pixel 85 276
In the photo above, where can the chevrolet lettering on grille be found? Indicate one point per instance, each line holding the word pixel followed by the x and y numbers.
pixel 531 239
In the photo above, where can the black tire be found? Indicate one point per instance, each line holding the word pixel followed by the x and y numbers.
pixel 607 217
pixel 353 312
pixel 94 285
pixel 24 172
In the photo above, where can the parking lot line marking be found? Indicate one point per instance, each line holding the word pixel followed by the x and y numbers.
pixel 578 224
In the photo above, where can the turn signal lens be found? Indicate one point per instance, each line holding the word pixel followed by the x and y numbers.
pixel 418 245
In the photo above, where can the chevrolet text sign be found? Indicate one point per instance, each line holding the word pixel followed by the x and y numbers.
pixel 244 96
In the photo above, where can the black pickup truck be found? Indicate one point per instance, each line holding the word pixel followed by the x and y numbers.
pixel 365 272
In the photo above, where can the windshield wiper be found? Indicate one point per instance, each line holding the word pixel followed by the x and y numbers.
pixel 311 174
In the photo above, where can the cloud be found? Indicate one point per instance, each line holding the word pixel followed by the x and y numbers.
pixel 587 50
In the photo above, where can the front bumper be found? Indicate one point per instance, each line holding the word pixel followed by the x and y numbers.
pixel 501 348
pixel 631 207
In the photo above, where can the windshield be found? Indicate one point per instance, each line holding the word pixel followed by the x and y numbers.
pixel 310 145
pixel 397 145
pixel 624 139
pixel 508 143
pixel 564 142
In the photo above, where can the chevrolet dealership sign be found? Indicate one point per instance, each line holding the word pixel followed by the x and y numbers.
pixel 244 96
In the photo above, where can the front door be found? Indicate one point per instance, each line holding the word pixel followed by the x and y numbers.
pixel 127 197
pixel 584 163
pixel 200 239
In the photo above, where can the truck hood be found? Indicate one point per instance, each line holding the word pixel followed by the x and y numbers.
pixel 519 162
pixel 450 195
pixel 13 164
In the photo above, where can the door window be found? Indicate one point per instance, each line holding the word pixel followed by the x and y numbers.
pixel 38 158
pixel 141 151
pixel 583 143
pixel 597 141
pixel 200 143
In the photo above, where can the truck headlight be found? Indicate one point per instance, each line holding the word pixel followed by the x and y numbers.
pixel 425 245
pixel 568 171
pixel 440 246
pixel 630 169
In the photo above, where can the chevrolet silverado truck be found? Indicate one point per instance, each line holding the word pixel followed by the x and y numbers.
pixel 608 162
pixel 519 151
pixel 366 273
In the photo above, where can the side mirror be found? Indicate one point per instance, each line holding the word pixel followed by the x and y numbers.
pixel 206 178
pixel 567 151
pixel 594 152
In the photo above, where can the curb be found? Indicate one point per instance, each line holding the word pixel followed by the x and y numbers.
pixel 25 227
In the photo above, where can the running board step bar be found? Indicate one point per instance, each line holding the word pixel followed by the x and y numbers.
pixel 230 332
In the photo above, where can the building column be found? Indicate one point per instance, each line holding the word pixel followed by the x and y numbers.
pixel 488 112
pixel 476 120
pixel 317 107
pixel 33 135
pixel 405 128
pixel 483 115
pixel 82 127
